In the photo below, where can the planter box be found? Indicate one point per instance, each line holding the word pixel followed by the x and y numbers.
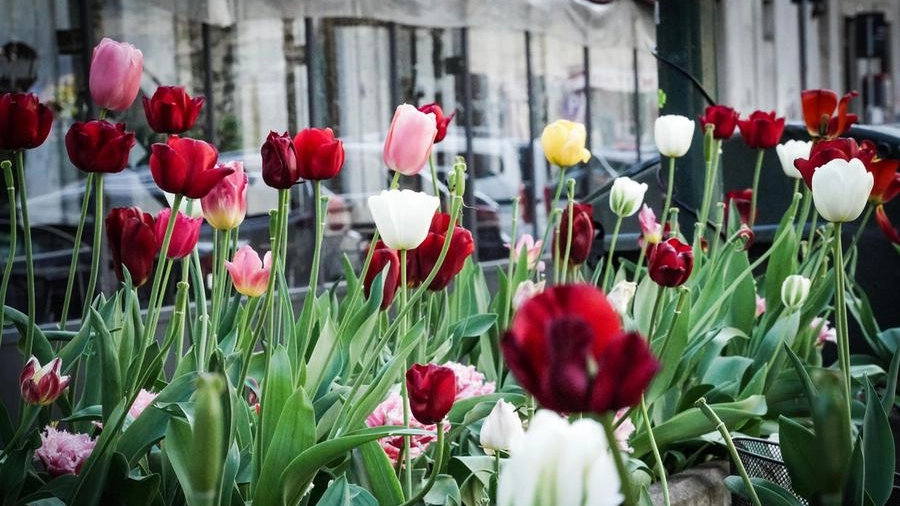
pixel 703 485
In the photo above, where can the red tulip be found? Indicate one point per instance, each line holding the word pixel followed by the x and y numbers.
pixel 824 151
pixel 762 130
pixel 819 107
pixel 381 257
pixel 24 121
pixel 421 260
pixel 225 206
pixel 724 120
pixel 887 180
pixel 171 110
pixel 42 385
pixel 99 146
pixel 886 226
pixel 741 200
pixel 319 154
pixel 132 239
pixel 186 166
pixel 432 390
pixel 566 347
pixel 115 75
pixel 670 262
pixel 442 121
pixel 582 233
pixel 184 236
pixel 279 157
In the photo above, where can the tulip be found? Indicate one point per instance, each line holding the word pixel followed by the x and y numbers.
pixel 432 390
pixel 741 200
pixel 824 151
pixel 673 135
pixel 620 296
pixel 279 168
pixel 184 236
pixel 532 250
pixel 840 189
pixel 825 333
pixel 42 385
pixel 115 76
pixel 502 429
pixel 819 107
pixel 651 230
pixel 560 464
pixel 24 121
pixel 724 120
pixel 670 262
pixel 403 217
pixel 441 121
pixel 761 130
pixel 626 196
pixel 190 207
pixel 132 239
pixel 887 228
pixel 186 166
pixel 886 184
pixel 144 399
pixel 563 143
pixel 791 151
pixel 319 155
pixel 390 413
pixel 62 452
pixel 249 273
pixel 794 291
pixel 384 257
pixel 526 290
pixel 99 146
pixel 409 140
pixel 225 206
pixel 421 260
pixel 469 382
pixel 582 233
pixel 566 347
pixel 171 110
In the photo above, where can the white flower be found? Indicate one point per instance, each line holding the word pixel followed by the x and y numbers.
pixel 626 196
pixel 790 151
pixel 673 134
pixel 840 189
pixel 794 291
pixel 502 429
pixel 190 207
pixel 560 464
pixel 620 296
pixel 526 290
pixel 403 217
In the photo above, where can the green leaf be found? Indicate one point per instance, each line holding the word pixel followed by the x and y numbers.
pixel 670 348
pixel 742 306
pixel 878 449
pixel 111 384
pixel 178 452
pixel 381 478
pixel 644 298
pixel 472 326
pixel 770 494
pixel 799 449
pixel 327 349
pixel 295 433
pixel 342 493
pixel 277 387
pixel 150 426
pixel 890 389
pixel 782 263
pixel 444 491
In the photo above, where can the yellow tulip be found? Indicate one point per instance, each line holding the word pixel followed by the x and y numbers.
pixel 563 143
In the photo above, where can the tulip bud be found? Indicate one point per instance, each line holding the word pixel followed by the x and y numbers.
pixel 99 146
pixel 440 120
pixel 620 296
pixel 432 390
pixel 761 130
pixel 563 143
pixel 24 121
pixel 319 154
pixel 841 189
pixel 582 233
pixel 673 135
pixel 723 120
pixel 185 233
pixel 403 217
pixel 208 438
pixel 186 166
pixel 171 110
pixel 115 75
pixel 502 429
pixel 626 196
pixel 131 237
pixel 225 206
pixel 790 151
pixel 651 230
pixel 670 262
pixel 794 291
pixel 42 385
pixel 409 140
pixel 279 169
pixel 383 257
pixel 422 259
pixel 248 272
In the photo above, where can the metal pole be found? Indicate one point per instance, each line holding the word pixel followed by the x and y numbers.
pixel 87 43
pixel 636 103
pixel 469 216
pixel 801 26
pixel 210 106
pixel 586 66
pixel 394 65
pixel 310 56
pixel 528 166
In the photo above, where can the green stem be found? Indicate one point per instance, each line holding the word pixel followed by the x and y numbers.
pixel 723 430
pixel 654 314
pixel 95 244
pixel 395 181
pixel 804 209
pixel 559 187
pixel 274 237
pixel 640 264
pixel 157 290
pixel 407 458
pixel 663 481
pixel 709 184
pixel 320 230
pixel 564 268
pixel 434 179
pixel 756 172
pixel 624 476
pixel 76 247
pixel 668 203
pixel 840 315
pixel 29 257
pixel 13 228
pixel 610 253
pixel 435 471
pixel 248 347
pixel 513 258
pixel 812 227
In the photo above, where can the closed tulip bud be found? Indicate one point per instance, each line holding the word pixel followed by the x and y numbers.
pixel 502 429
pixel 403 217
pixel 186 166
pixel 794 291
pixel 249 273
pixel 319 154
pixel 24 121
pixel 115 75
pixel 841 189
pixel 409 140
pixel 421 260
pixel 723 120
pixel 225 206
pixel 582 233
pixel 626 196
pixel 620 296
pixel 42 385
pixel 563 143
pixel 384 257
pixel 673 135
pixel 184 236
pixel 279 169
pixel 99 146
pixel 441 121
pixel 171 110
pixel 670 262
pixel 761 130
pixel 790 151
pixel 432 390
pixel 131 235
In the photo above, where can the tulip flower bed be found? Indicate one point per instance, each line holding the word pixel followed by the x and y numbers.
pixel 417 384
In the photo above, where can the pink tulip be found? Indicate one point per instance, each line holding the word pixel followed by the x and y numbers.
pixel 115 76
pixel 249 273
pixel 42 385
pixel 63 452
pixel 184 236
pixel 225 206
pixel 533 249
pixel 409 140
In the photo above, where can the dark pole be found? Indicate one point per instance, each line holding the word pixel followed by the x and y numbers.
pixel 586 66
pixel 210 106
pixel 469 216
pixel 290 73
pixel 394 70
pixel 636 103
pixel 801 25
pixel 528 176
pixel 87 44
pixel 310 57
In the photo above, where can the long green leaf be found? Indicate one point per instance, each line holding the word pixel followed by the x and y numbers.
pixel 381 478
pixel 150 426
pixel 276 389
pixel 111 384
pixel 295 433
pixel 878 449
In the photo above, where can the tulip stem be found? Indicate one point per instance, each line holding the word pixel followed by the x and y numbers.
pixel 669 187
pixel 756 172
pixel 510 271
pixel 663 481
pixel 840 316
pixel 274 238
pixel 609 254
pixel 320 230
pixel 434 179
pixel 95 244
pixel 564 268
pixel 246 348
pixel 723 430
pixel 812 226
pixel 559 187
pixel 221 246
pixel 606 420
pixel 395 181
pixel 804 210
pixel 435 471
pixel 29 258
pixel 406 469
pixel 13 229
pixel 76 247
pixel 709 183
pixel 157 290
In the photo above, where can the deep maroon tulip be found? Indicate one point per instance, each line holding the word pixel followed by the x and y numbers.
pixel 421 260
pixel 670 262
pixel 99 146
pixel 24 121
pixel 319 154
pixel 186 166
pixel 724 120
pixel 741 200
pixel 819 108
pixel 442 121
pixel 762 130
pixel 566 347
pixel 184 236
pixel 381 257
pixel 432 390
pixel 582 233
pixel 132 239
pixel 171 110
pixel 824 151
pixel 279 169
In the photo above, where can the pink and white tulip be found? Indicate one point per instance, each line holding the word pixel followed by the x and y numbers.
pixel 409 141
pixel 249 273
pixel 42 385
pixel 225 206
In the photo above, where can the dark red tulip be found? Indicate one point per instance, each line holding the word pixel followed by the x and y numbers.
pixel 670 262
pixel 381 257
pixel 884 223
pixel 824 151
pixel 886 180
pixel 724 120
pixel 99 146
pixel 24 121
pixel 741 200
pixel 319 154
pixel 132 240
pixel 421 260
pixel 186 166
pixel 819 108
pixel 442 121
pixel 762 130
pixel 566 347
pixel 582 233
pixel 184 236
pixel 279 169
pixel 432 390
pixel 171 110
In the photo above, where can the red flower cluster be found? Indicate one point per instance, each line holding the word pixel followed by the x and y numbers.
pixel 421 260
pixel 313 154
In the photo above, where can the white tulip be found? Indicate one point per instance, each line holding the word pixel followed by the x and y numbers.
pixel 190 207
pixel 840 189
pixel 626 196
pixel 620 296
pixel 673 135
pixel 794 291
pixel 526 290
pixel 790 151
pixel 403 217
pixel 560 464
pixel 502 429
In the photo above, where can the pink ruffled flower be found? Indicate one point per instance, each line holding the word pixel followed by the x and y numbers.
pixel 624 430
pixel 826 334
pixel 390 412
pixel 469 382
pixel 144 399
pixel 62 452
pixel 760 306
